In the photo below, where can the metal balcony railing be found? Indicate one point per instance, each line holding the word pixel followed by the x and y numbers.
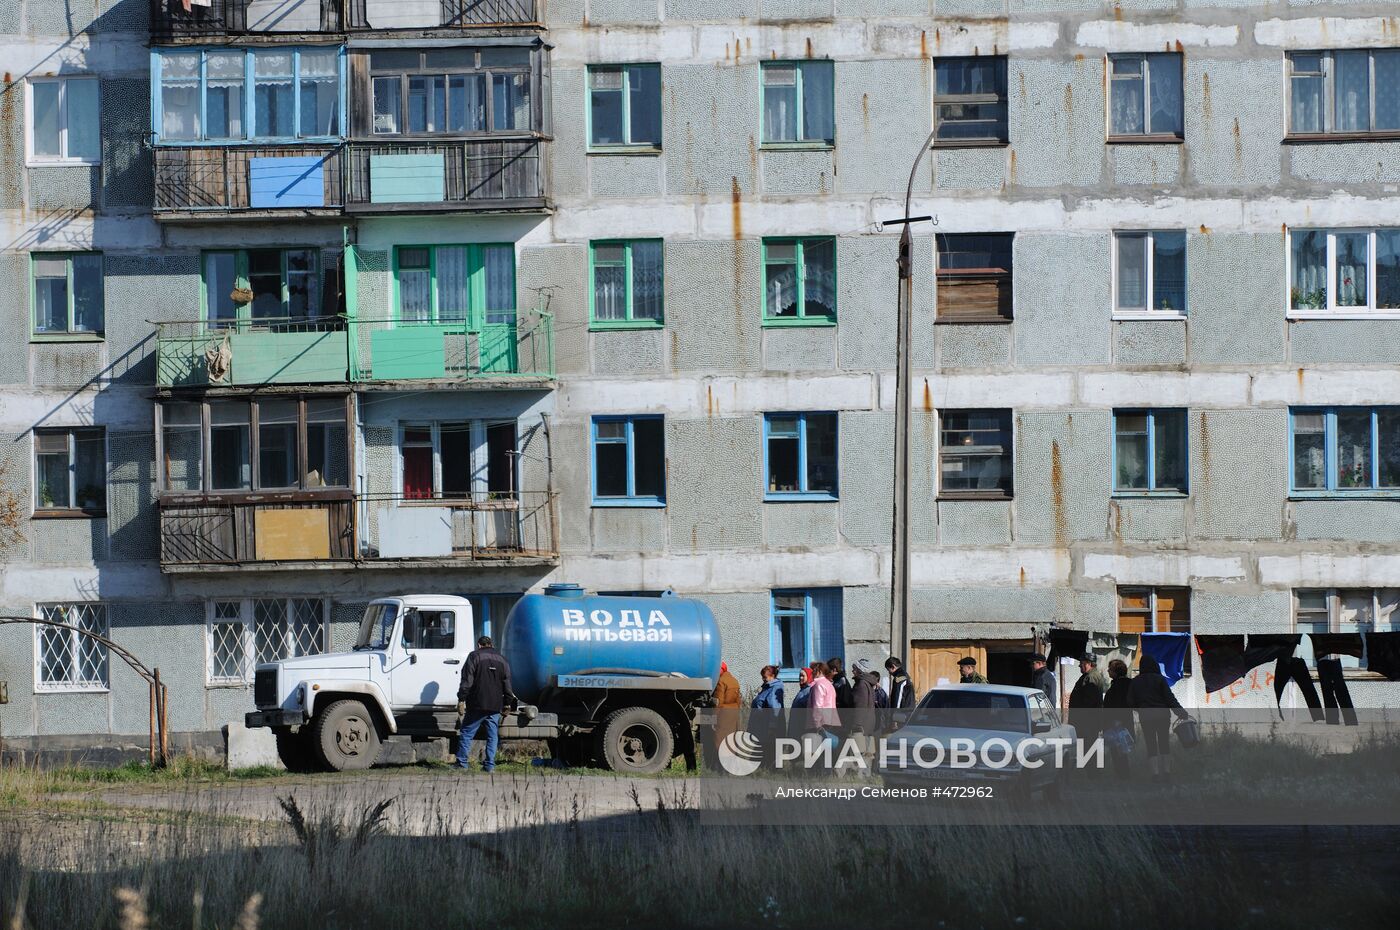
pixel 486 173
pixel 249 352
pixel 475 527
pixel 171 19
pixel 217 178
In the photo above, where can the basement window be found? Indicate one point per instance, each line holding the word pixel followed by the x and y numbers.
pixel 974 454
pixel 969 101
pixel 1145 101
pixel 1340 272
pixel 242 634
pixel 1344 93
pixel 800 456
pixel 624 107
pixel 629 462
pixel 974 278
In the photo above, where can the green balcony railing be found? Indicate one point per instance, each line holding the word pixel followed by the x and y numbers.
pixel 334 350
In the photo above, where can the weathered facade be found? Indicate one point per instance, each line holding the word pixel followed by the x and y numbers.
pixel 466 297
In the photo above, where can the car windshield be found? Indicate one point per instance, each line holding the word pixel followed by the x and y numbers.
pixel 377 627
pixel 972 710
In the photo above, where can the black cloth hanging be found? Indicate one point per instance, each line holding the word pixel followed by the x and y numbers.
pixel 1267 647
pixel 1336 644
pixel 1383 654
pixel 1294 669
pixel 1335 695
pixel 1067 643
pixel 1222 660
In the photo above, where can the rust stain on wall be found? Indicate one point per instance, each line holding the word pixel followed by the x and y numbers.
pixel 865 111
pixel 736 208
pixel 809 47
pixel 1057 496
pixel 923 42
pixel 1239 143
pixel 1206 110
pixel 928 397
pixel 1023 576
pixel 1205 451
pixel 1205 230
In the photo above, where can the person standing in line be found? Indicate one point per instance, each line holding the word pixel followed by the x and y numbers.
pixel 801 704
pixel 862 720
pixel 766 718
pixel 1118 718
pixel 1086 699
pixel 483 694
pixel 901 685
pixel 728 699
pixel 770 693
pixel 824 718
pixel 1044 679
pixel 967 672
pixel 1155 704
pixel 839 682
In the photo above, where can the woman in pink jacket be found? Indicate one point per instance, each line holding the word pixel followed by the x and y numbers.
pixel 823 699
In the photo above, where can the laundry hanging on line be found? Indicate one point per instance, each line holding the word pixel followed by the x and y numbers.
pixel 1170 651
pixel 1222 660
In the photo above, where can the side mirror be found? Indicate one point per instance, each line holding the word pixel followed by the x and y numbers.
pixel 1041 726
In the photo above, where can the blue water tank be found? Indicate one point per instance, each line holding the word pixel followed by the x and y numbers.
pixel 564 631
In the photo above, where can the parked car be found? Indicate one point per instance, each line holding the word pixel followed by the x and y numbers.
pixel 1023 717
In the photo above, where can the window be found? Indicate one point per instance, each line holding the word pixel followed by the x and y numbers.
pixel 297 444
pixel 67 294
pixel 799 281
pixel 70 471
pixel 263 285
pixel 624 106
pixel 1343 270
pixel 974 277
pixel 242 634
pixel 66 660
pixel 458 285
pixel 806 627
pixel 629 461
pixel 1149 451
pixel 209 94
pixel 1344 610
pixel 974 454
pixel 429 629
pixel 800 456
pixel 451 91
pixel 1346 450
pixel 1154 610
pixel 628 283
pixel 1145 97
pixel 1344 92
pixel 799 102
pixel 467 460
pixel 1149 273
pixel 969 100
pixel 64 121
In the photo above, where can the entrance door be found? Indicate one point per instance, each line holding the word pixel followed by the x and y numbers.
pixel 432 636
pixel 931 661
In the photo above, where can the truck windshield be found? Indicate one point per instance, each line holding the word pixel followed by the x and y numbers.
pixel 377 627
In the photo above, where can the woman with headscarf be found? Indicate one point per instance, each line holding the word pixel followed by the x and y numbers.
pixel 1155 704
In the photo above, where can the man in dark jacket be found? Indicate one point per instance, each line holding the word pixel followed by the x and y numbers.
pixel 1152 697
pixel 1086 700
pixel 1044 679
pixel 901 685
pixel 863 698
pixel 842 684
pixel 485 692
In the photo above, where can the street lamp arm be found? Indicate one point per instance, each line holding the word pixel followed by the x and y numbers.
pixel 918 160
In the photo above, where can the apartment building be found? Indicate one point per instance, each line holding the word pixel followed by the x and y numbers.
pixel 313 301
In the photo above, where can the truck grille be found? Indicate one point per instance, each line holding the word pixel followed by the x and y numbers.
pixel 265 687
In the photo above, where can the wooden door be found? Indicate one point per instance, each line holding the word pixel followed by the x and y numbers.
pixel 930 660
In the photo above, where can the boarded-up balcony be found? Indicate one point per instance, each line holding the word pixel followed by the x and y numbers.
pixel 299 531
pixel 172 19
pixel 491 175
pixel 223 179
pixel 507 346
pixel 251 353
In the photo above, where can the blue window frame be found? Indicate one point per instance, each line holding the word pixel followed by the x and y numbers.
pixel 805 627
pixel 1336 451
pixel 799 456
pixel 629 461
pixel 1149 452
pixel 231 95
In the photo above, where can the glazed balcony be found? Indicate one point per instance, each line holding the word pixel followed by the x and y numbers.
pixel 170 20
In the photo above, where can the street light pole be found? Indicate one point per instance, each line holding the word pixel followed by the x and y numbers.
pixel 900 626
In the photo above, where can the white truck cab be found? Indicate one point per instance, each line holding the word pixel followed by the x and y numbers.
pixel 334 710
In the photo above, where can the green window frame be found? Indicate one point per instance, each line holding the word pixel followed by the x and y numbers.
pixel 457 285
pixel 624 108
pixel 626 284
pixel 799 281
pixel 66 288
pixel 287 281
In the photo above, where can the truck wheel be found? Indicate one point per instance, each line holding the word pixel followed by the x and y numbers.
pixel 345 737
pixel 636 741
pixel 294 749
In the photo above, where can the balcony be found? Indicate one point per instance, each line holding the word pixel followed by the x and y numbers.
pixel 508 349
pixel 224 179
pixel 339 530
pixel 488 175
pixel 170 19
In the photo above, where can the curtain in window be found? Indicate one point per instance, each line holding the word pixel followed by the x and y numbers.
pixel 1388 433
pixel 82 120
pixel 1165 74
pixel 415 279
pixel 1354 448
pixel 780 104
pixel 1309 284
pixel 224 95
pixel 1351 269
pixel 499 264
pixel 605 106
pixel 388 104
pixel 647 280
pixel 320 106
pixel 454 303
pixel 511 96
pixel 1130 452
pixel 272 91
pixel 1307 87
pixel 179 95
pixel 1169 271
pixel 1309 451
pixel 1126 107
pixel 1132 272
pixel 819 277
pixel 1352 79
pixel 610 282
pixel 466 103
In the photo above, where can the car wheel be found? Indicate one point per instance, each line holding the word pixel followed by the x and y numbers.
pixel 636 741
pixel 294 749
pixel 345 736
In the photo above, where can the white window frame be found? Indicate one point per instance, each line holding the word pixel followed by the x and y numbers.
pixel 1147 135
pixel 1148 314
pixel 32 160
pixel 478 463
pixel 1334 623
pixel 1332 311
pixel 1329 95
pixel 62 687
pixel 248 618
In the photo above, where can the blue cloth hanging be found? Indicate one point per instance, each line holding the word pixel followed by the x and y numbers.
pixel 1170 650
